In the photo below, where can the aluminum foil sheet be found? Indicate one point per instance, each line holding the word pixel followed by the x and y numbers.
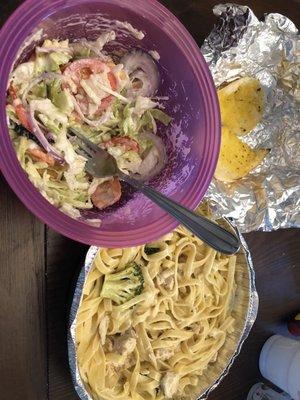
pixel 77 382
pixel 241 45
pixel 249 320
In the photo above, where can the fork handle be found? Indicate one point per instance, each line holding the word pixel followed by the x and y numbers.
pixel 214 235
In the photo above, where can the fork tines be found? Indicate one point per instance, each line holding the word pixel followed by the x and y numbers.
pixel 84 144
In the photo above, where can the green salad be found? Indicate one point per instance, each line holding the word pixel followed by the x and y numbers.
pixel 107 98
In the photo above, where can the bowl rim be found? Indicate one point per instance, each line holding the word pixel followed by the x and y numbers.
pixel 13 33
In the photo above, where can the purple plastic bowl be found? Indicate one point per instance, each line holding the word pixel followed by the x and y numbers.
pixel 192 140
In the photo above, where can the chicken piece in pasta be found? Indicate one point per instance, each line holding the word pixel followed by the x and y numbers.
pixel 169 384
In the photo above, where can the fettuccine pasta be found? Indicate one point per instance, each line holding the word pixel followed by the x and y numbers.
pixel 158 343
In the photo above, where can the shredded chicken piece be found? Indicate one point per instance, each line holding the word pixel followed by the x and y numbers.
pixel 125 344
pixel 166 279
pixel 130 361
pixel 196 328
pixel 120 350
pixel 169 384
pixel 169 283
pixel 109 345
pixel 110 369
pixel 115 361
pixel 164 353
pixel 103 326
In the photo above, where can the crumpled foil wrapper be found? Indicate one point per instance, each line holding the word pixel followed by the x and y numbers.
pixel 249 319
pixel 241 45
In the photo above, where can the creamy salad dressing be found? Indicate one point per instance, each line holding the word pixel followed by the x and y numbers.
pixel 135 32
pixel 154 54
pixel 80 86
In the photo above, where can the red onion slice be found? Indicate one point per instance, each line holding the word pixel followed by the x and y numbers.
pixel 48 134
pixel 154 161
pixel 146 85
pixel 141 66
pixel 39 134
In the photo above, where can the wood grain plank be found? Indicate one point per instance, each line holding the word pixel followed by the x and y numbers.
pixel 7 8
pixel 64 257
pixel 23 366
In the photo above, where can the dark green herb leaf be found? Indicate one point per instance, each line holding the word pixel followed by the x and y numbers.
pixel 151 250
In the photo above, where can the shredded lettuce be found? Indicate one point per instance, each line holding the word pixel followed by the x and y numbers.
pixel 23 74
pixel 143 104
pixel 128 125
pixel 85 49
pixel 95 134
pixel 80 51
pixel 161 116
pixel 43 62
pixel 134 118
pixel 47 108
pixel 52 125
pixel 53 88
pixel 21 145
pixel 39 91
pixel 128 161
pixel 63 101
pixel 61 98
pixel 53 60
pixel 68 186
pixel 11 113
pixel 57 59
pixel 59 44
pixel 147 122
pixel 60 191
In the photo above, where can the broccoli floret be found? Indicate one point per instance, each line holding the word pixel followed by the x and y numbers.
pixel 124 285
pixel 151 250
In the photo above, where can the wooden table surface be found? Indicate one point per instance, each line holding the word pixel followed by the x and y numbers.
pixel 37 267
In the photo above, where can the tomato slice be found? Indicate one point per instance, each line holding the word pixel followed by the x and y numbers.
pixel 83 69
pixel 13 92
pixel 107 194
pixel 40 155
pixel 112 80
pixel 20 110
pixel 128 143
pixel 23 116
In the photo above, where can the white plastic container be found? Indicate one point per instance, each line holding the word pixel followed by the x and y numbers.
pixel 279 362
pixel 261 391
